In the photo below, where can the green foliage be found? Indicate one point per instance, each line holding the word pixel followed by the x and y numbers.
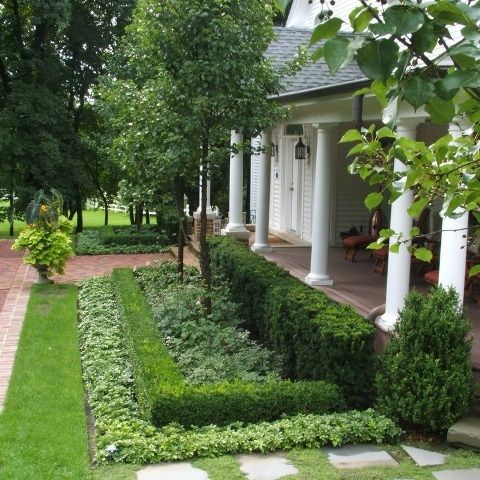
pixel 208 348
pixel 47 240
pixel 409 52
pixel 425 374
pixel 163 393
pixel 316 337
pixel 152 363
pixel 122 435
pixel 226 403
pixel 106 240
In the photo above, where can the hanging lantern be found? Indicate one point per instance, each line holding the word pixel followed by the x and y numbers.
pixel 300 150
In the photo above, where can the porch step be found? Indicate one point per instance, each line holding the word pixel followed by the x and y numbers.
pixel 465 432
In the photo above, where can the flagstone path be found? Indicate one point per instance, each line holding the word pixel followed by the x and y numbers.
pixel 276 466
pixel 16 280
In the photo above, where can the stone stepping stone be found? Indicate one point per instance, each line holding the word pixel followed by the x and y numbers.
pixel 424 458
pixel 265 467
pixel 466 431
pixel 172 471
pixel 468 474
pixel 359 456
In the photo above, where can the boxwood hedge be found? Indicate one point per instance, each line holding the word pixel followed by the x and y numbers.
pixel 318 338
pixel 164 397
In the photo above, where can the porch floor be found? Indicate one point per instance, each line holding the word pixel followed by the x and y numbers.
pixel 357 285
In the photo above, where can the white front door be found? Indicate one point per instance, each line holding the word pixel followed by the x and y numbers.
pixel 292 187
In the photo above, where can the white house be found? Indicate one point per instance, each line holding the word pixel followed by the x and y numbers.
pixel 312 201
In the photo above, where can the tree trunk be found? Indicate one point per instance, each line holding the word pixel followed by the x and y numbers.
pixel 105 206
pixel 78 204
pixel 147 216
pixel 139 216
pixel 180 202
pixel 204 255
pixel 72 208
pixel 11 212
pixel 132 216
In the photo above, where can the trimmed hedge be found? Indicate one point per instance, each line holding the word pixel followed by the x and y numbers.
pixel 124 239
pixel 318 338
pixel 122 435
pixel 151 361
pixel 164 397
pixel 223 403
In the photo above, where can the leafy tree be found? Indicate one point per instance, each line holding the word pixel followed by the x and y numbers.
pixel 51 54
pixel 213 56
pixel 426 54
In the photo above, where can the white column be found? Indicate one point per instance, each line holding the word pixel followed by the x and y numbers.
pixel 236 225
pixel 209 206
pixel 321 208
pixel 453 250
pixel 263 196
pixel 398 275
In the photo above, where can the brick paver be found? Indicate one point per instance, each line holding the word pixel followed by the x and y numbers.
pixel 16 280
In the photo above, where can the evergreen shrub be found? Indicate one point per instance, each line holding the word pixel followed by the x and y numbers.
pixel 318 338
pixel 424 377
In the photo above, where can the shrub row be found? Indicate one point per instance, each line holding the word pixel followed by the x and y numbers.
pixel 317 337
pixel 122 435
pixel 224 403
pixel 92 242
pixel 126 235
pixel 166 398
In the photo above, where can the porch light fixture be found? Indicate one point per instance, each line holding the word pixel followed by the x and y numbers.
pixel 300 150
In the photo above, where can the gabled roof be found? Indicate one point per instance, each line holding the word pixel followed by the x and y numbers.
pixel 315 78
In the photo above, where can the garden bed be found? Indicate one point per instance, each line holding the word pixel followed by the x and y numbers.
pixel 134 379
pixel 123 239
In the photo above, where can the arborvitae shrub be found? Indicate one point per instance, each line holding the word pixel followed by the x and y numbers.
pixel 424 377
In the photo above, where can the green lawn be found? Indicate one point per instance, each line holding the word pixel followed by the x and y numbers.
pixel 43 429
pixel 91 218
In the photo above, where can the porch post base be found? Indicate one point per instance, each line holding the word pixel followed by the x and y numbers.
pixel 386 322
pixel 318 280
pixel 236 231
pixel 261 248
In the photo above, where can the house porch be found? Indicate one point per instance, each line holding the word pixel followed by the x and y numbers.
pixel 357 285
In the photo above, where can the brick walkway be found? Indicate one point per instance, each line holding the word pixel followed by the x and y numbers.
pixel 15 283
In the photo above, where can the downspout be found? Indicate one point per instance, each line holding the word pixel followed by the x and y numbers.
pixel 358 111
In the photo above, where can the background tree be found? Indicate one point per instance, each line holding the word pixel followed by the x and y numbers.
pixel 51 54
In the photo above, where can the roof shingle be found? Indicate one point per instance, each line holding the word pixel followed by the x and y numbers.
pixel 314 75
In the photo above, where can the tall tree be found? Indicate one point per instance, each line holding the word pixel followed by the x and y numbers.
pixel 213 55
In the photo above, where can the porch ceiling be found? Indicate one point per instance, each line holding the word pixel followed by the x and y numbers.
pixel 357 285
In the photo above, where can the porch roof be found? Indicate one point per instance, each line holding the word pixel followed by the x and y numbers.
pixel 315 77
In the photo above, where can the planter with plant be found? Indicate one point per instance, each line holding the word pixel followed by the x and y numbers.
pixel 46 237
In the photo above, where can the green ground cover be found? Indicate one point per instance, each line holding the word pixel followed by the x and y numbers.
pixel 91 218
pixel 43 428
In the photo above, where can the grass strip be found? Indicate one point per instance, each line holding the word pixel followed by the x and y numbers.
pixel 43 428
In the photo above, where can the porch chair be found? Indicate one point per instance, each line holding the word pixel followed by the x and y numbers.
pixel 380 257
pixel 354 243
